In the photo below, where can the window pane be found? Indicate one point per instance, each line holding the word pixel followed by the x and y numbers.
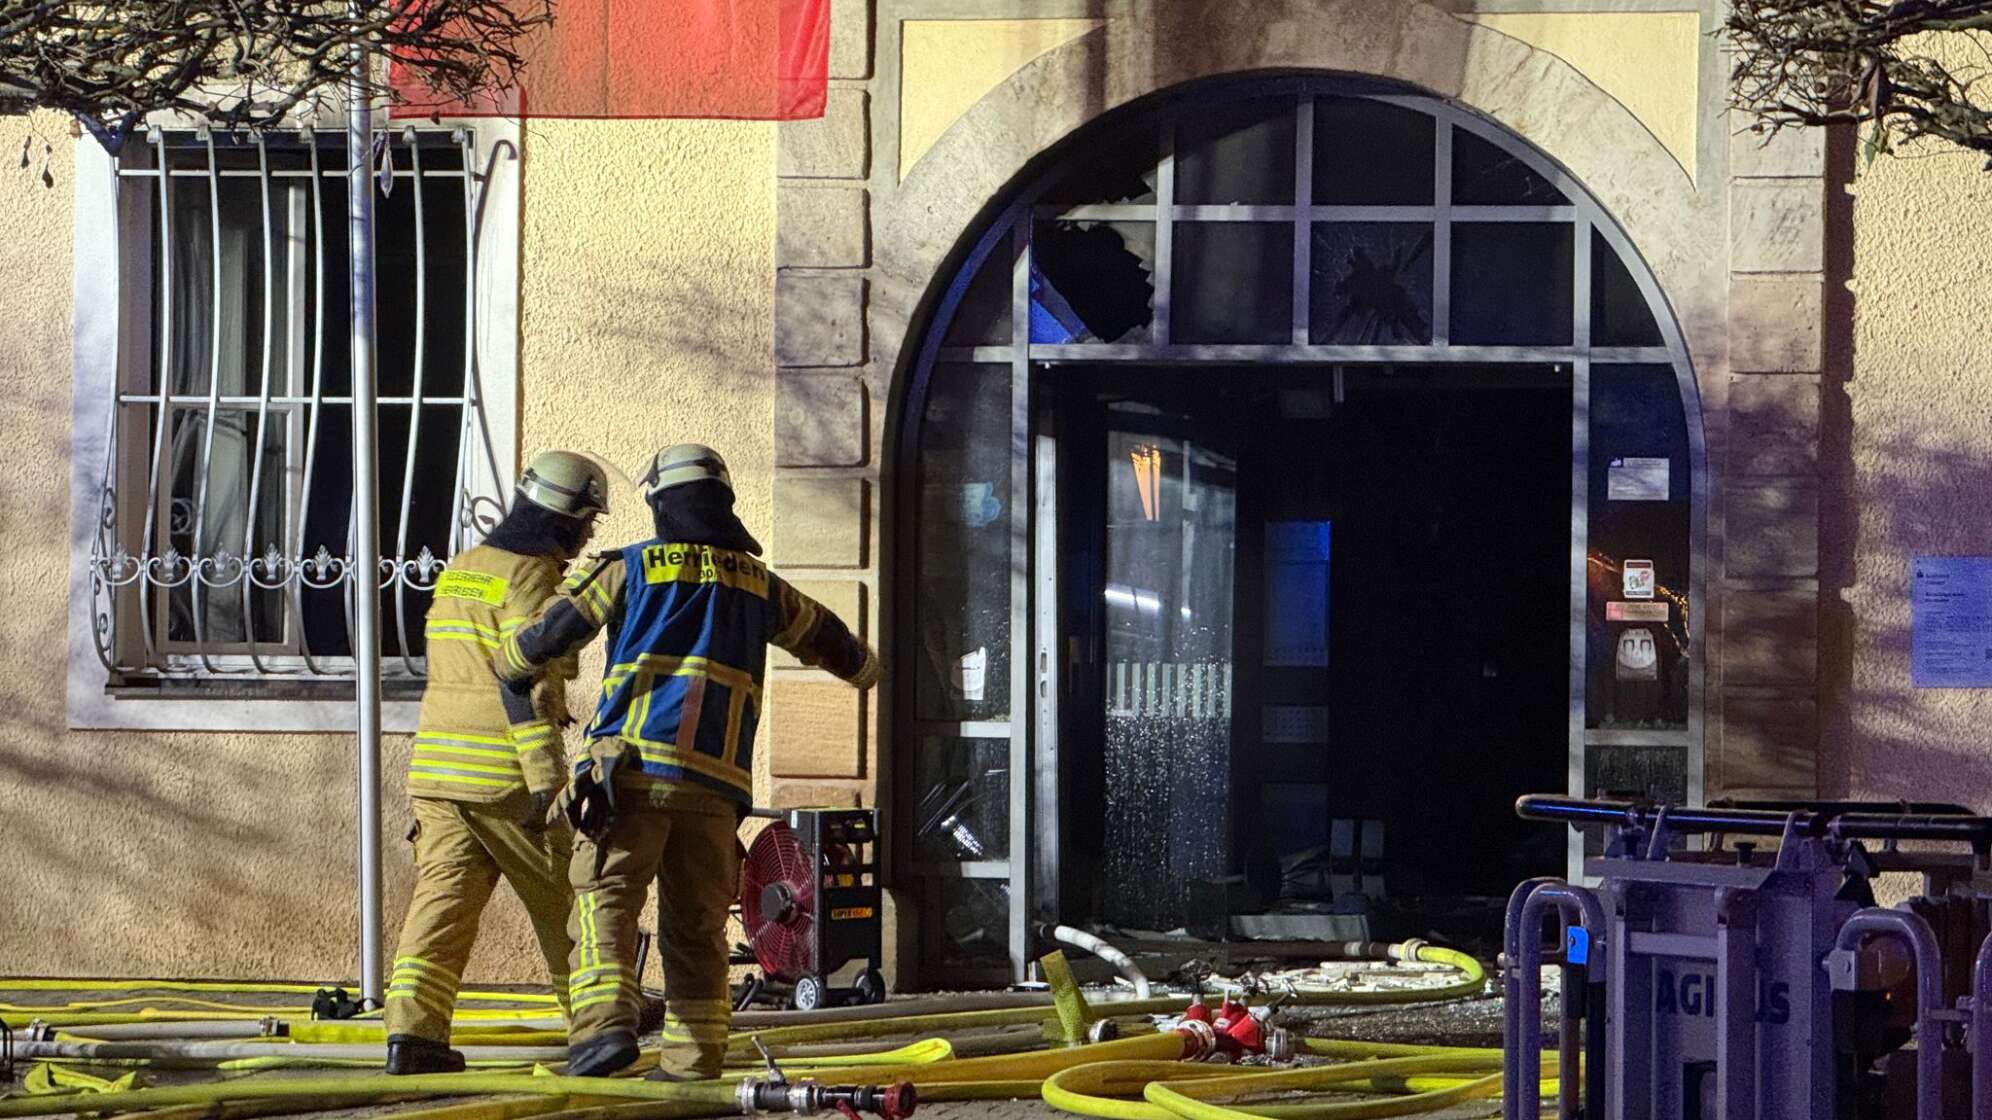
pixel 1233 283
pixel 1511 283
pixel 1117 170
pixel 203 522
pixel 1638 633
pixel 1372 283
pixel 964 568
pixel 1172 515
pixel 975 921
pixel 442 297
pixel 1236 152
pixel 1486 175
pixel 1620 315
pixel 983 316
pixel 963 814
pixel 191 254
pixel 1371 153
pixel 1092 281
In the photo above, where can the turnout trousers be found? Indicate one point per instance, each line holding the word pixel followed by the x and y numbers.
pixel 462 849
pixel 687 842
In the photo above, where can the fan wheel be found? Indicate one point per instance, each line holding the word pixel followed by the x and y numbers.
pixel 809 993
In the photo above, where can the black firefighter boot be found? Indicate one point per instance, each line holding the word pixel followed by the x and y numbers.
pixel 602 1055
pixel 407 1053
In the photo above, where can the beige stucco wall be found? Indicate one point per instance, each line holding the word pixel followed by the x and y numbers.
pixel 646 317
pixel 1915 475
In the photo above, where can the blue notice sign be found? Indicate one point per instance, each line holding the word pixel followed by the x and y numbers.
pixel 1950 607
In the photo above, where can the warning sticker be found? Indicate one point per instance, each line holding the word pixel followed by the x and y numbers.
pixel 476 586
pixel 1638 579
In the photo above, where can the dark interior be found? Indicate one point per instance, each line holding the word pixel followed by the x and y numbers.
pixel 1317 625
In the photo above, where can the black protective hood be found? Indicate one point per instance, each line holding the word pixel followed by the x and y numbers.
pixel 531 530
pixel 701 513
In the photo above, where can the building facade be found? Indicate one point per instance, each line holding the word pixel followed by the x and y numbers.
pixel 1024 356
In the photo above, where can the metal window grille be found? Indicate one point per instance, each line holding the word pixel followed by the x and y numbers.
pixel 223 550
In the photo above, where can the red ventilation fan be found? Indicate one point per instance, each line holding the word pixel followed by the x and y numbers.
pixel 809 901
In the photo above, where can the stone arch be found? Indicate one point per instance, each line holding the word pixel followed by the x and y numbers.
pixel 1539 97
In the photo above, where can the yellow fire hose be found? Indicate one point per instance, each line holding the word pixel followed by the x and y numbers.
pixel 1092 1080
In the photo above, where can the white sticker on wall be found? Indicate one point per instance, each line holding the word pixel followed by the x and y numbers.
pixel 1637 579
pixel 970 670
pixel 1635 479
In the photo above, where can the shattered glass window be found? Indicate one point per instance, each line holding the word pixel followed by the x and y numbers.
pixel 1092 282
pixel 1372 284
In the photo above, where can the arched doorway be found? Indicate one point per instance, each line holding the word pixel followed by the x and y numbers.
pixel 1268 471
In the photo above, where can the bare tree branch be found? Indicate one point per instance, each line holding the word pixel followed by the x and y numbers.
pixel 246 63
pixel 1904 71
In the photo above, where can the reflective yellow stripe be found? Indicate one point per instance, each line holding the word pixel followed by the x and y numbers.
pixel 419 773
pixel 425 1001
pixel 670 755
pixel 462 740
pixel 473 767
pixel 468 752
pixel 418 964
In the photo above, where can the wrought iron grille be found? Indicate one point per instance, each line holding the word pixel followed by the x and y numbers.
pixel 222 549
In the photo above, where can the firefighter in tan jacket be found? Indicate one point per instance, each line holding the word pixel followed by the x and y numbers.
pixel 690 614
pixel 487 761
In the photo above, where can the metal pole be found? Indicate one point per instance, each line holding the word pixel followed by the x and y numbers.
pixel 366 518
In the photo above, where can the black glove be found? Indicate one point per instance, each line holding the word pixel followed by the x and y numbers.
pixel 591 800
pixel 537 803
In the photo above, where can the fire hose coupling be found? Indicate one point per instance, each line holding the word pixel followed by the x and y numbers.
pixel 1199 1040
pixel 1406 951
pixel 810 1098
pixel 807 1097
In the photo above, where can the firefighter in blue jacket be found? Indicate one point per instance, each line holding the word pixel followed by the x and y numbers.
pixel 670 759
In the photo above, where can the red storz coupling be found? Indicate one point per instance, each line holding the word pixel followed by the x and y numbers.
pixel 1199 1040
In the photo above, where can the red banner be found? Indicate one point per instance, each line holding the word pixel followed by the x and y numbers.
pixel 608 59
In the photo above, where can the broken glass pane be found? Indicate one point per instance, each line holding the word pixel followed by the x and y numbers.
pixel 1485 175
pixel 1092 281
pixel 964 810
pixel 1371 153
pixel 1372 284
pixel 1119 170
pixel 1620 315
pixel 1233 283
pixel 1239 152
pixel 1511 283
pixel 963 670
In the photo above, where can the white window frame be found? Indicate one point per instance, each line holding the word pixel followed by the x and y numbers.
pixel 94 329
